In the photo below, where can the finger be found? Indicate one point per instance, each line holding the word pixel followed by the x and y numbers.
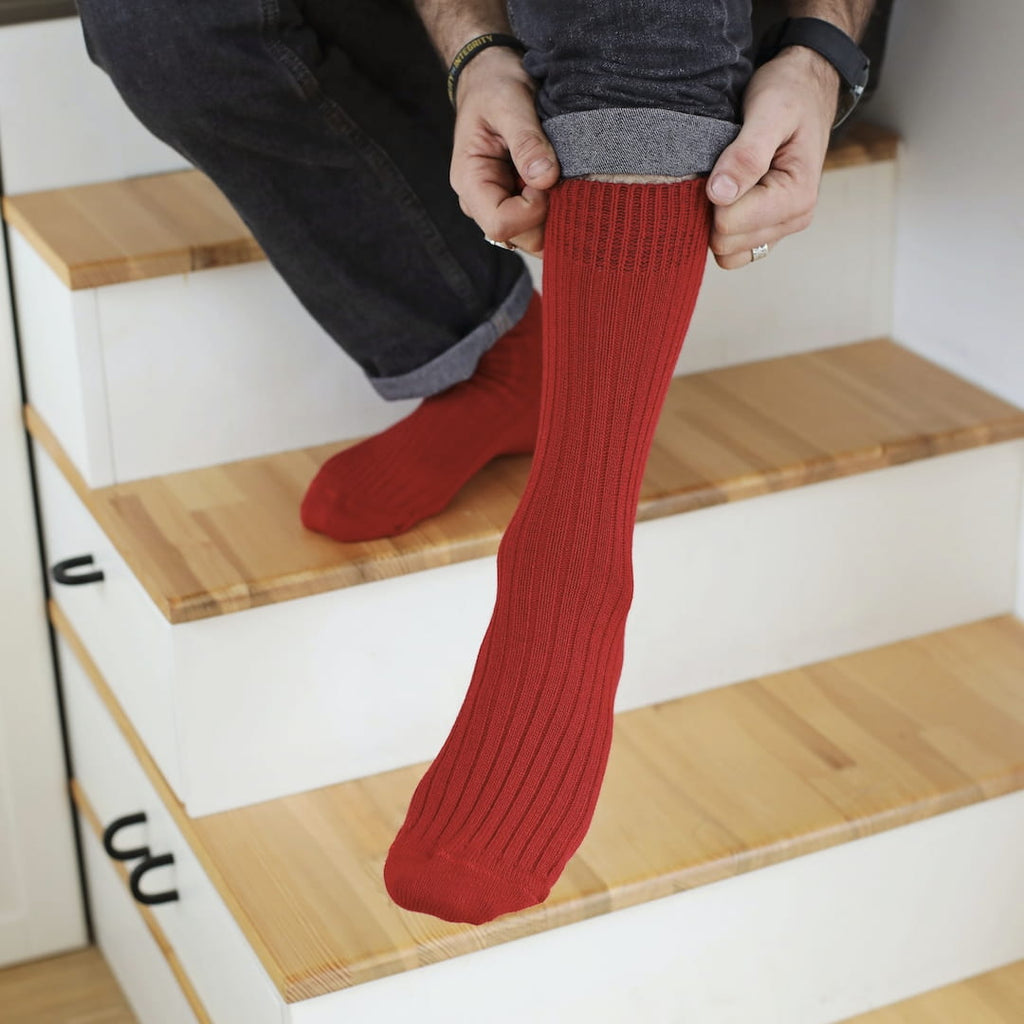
pixel 737 260
pixel 744 162
pixel 728 245
pixel 489 198
pixel 780 197
pixel 533 156
pixel 531 242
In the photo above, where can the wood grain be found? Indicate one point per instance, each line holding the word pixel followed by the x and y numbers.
pixel 223 539
pixel 76 988
pixel 94 235
pixel 697 790
pixel 996 997
pixel 88 812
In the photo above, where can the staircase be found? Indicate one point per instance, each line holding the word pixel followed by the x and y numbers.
pixel 818 764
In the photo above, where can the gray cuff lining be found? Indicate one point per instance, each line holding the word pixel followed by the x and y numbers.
pixel 637 140
pixel 459 362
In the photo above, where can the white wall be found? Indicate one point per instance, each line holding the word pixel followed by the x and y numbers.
pixel 952 87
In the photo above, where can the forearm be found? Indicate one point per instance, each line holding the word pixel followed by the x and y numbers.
pixel 849 15
pixel 452 23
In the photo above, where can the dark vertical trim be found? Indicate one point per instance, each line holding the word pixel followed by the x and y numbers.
pixel 43 563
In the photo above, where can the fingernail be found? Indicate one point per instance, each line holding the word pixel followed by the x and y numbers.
pixel 539 168
pixel 724 188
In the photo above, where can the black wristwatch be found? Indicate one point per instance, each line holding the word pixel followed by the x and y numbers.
pixel 834 45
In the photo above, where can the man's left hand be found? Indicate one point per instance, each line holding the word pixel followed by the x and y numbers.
pixel 765 184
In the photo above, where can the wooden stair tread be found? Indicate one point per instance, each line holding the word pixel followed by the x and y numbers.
pixel 995 997
pixel 226 538
pixel 138 228
pixel 697 790
pixel 130 230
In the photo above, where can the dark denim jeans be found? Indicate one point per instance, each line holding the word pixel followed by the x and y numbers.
pixel 326 124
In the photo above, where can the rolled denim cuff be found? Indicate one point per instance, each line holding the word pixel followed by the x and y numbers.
pixel 459 362
pixel 637 140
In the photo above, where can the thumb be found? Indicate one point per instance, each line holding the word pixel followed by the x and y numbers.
pixel 741 165
pixel 532 154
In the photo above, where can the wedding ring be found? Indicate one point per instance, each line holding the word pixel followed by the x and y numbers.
pixel 511 246
pixel 758 252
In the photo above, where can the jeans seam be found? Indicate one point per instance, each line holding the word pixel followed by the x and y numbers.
pixel 378 160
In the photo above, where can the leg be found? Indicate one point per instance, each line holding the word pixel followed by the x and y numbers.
pixel 334 148
pixel 512 793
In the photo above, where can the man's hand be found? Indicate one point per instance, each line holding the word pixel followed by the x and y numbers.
pixel 765 184
pixel 502 162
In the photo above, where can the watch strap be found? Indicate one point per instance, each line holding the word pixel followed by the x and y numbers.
pixel 832 43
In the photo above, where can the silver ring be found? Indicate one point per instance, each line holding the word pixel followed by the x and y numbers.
pixel 510 246
pixel 758 252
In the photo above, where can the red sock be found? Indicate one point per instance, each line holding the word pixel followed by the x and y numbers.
pixel 511 794
pixel 388 483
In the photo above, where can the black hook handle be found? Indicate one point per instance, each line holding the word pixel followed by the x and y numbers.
pixel 114 827
pixel 136 878
pixel 61 572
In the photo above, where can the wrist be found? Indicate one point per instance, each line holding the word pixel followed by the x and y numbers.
pixel 811 64
pixel 490 65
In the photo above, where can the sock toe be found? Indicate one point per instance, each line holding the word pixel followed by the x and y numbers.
pixel 456 890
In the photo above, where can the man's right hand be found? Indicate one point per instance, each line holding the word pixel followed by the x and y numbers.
pixel 502 163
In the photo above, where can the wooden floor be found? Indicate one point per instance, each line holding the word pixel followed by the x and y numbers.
pixel 993 998
pixel 76 988
pixel 225 538
pixel 94 235
pixel 733 780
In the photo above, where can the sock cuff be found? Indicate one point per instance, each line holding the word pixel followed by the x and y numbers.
pixel 628 226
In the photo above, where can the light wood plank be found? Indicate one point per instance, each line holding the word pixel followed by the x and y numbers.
pixel 996 997
pixel 223 539
pixel 697 790
pixel 93 235
pixel 76 988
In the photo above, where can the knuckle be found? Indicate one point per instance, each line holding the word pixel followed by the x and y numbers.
pixel 499 226
pixel 725 223
pixel 720 245
pixel 750 161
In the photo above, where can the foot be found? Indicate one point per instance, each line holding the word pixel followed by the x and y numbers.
pixel 388 483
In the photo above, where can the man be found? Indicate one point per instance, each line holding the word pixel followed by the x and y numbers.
pixel 608 141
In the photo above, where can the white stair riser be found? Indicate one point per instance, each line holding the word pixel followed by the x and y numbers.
pixel 150 377
pixel 312 691
pixel 809 941
pixel 225 972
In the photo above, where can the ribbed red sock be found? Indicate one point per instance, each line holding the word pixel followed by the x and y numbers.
pixel 511 794
pixel 389 482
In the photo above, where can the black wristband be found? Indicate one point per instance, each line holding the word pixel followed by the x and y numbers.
pixel 471 49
